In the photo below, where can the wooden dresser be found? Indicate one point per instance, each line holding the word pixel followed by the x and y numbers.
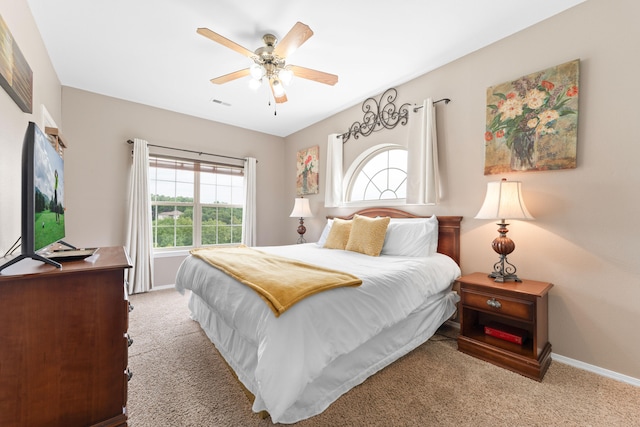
pixel 64 342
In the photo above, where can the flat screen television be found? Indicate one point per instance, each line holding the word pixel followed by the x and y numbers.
pixel 42 196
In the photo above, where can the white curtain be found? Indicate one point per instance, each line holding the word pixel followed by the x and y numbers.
pixel 249 211
pixel 139 241
pixel 333 181
pixel 423 176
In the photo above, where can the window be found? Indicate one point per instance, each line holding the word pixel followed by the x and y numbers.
pixel 379 174
pixel 195 203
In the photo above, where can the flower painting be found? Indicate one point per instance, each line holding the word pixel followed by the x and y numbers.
pixel 532 122
pixel 307 171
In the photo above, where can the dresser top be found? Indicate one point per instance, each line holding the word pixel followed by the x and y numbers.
pixel 105 258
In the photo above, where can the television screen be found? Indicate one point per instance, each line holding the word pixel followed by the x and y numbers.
pixel 48 202
pixel 42 196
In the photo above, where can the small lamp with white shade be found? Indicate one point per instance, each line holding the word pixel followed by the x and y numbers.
pixel 504 201
pixel 301 210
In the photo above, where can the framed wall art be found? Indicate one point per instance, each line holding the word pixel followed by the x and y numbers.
pixel 307 171
pixel 16 77
pixel 532 122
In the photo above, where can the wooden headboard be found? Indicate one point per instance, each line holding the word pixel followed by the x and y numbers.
pixel 448 232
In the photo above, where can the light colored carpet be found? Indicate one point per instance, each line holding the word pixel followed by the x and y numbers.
pixel 179 379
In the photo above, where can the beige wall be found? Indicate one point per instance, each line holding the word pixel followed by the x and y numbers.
pixel 583 239
pixel 13 122
pixel 98 160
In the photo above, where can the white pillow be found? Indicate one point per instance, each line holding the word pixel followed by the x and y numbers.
pixel 411 237
pixel 325 232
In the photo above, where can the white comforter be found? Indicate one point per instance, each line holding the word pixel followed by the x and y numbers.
pixel 293 349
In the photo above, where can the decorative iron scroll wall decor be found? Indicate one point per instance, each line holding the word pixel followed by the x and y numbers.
pixel 382 114
pixel 379 115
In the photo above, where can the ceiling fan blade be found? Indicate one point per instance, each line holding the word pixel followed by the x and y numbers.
pixel 225 42
pixel 315 75
pixel 231 76
pixel 296 36
pixel 279 99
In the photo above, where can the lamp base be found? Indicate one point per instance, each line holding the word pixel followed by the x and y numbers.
pixel 504 278
pixel 504 273
pixel 301 230
pixel 503 270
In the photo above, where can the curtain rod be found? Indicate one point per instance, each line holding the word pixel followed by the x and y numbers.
pixel 446 101
pixel 200 153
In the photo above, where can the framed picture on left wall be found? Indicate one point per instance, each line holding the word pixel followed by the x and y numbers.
pixel 16 77
pixel 307 171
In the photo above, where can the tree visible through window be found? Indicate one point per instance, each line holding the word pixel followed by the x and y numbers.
pixel 382 175
pixel 195 204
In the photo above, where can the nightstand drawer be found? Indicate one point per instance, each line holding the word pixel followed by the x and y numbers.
pixel 517 308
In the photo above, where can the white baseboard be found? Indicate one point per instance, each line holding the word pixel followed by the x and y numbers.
pixel 596 369
pixel 580 365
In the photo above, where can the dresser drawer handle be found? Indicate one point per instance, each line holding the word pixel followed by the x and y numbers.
pixel 130 307
pixel 128 374
pixel 494 303
pixel 129 339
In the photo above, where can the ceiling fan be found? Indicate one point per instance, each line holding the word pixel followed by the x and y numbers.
pixel 269 61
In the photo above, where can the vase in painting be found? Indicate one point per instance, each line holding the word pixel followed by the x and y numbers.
pixel 523 151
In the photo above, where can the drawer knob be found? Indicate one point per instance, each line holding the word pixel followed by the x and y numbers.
pixel 128 374
pixel 129 339
pixel 494 303
pixel 130 307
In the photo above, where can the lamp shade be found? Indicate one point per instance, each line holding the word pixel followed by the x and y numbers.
pixel 301 209
pixel 504 201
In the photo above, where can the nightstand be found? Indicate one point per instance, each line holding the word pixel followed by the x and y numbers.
pixel 496 317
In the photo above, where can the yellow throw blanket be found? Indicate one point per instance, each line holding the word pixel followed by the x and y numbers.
pixel 280 281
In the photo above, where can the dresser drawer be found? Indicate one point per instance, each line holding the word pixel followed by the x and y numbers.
pixel 513 307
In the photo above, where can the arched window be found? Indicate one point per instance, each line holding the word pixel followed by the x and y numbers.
pixel 380 173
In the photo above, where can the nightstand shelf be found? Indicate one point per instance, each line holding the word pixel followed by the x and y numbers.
pixel 522 305
pixel 477 334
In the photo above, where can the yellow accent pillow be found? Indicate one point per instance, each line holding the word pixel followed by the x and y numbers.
pixel 367 235
pixel 339 234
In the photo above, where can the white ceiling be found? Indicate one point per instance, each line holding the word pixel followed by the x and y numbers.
pixel 148 51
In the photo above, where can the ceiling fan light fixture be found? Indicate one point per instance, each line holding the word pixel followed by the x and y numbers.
pixel 268 62
pixel 255 84
pixel 278 89
pixel 257 71
pixel 285 75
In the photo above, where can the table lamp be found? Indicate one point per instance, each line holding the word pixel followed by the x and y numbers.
pixel 301 210
pixel 503 201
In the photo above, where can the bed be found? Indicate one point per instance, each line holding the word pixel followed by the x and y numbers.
pixel 296 363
